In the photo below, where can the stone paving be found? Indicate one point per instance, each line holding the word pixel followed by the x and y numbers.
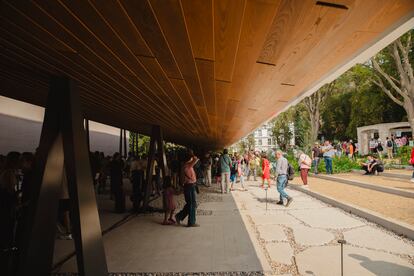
pixel 241 234
pixel 302 239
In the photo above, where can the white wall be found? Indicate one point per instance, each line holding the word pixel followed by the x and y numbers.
pixel 21 124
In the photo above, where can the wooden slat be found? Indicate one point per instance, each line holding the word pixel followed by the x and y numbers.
pixel 144 20
pixel 206 71
pixel 228 16
pixel 199 22
pixel 170 17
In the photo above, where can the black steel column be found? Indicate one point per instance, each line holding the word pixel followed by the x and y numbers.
pixel 62 141
pixel 125 145
pixel 156 145
pixel 86 226
pixel 87 134
pixel 120 141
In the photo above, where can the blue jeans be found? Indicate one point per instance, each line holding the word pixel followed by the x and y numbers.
pixel 190 205
pixel 281 184
pixel 315 164
pixel 328 164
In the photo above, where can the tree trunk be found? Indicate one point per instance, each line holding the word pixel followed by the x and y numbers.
pixel 314 122
pixel 409 108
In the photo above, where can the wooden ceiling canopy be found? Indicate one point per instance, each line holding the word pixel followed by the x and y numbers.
pixel 207 71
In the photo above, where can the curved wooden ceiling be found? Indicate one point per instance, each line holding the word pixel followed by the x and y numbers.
pixel 208 72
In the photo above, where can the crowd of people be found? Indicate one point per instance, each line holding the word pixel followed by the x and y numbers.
pixel 183 172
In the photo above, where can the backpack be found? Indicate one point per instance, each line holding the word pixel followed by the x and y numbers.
pixel 290 172
pixel 389 143
pixel 379 148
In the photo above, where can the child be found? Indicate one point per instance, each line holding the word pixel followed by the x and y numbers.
pixel 168 201
pixel 233 172
pixel 242 170
pixel 265 171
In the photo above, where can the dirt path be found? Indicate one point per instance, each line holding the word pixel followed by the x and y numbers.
pixel 379 180
pixel 392 206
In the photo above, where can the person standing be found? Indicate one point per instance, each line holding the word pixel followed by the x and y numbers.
pixel 265 171
pixel 394 145
pixel 225 165
pixel 304 166
pixel 207 169
pixel 389 145
pixel 137 179
pixel 9 182
pixel 379 148
pixel 243 167
pixel 189 182
pixel 351 149
pixel 328 153
pixel 175 171
pixel 282 178
pixel 252 167
pixel 412 163
pixel 316 151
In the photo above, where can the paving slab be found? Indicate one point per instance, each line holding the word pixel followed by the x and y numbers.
pixel 325 261
pixel 280 252
pixel 271 218
pixel 371 237
pixel 311 236
pixel 326 218
pixel 272 233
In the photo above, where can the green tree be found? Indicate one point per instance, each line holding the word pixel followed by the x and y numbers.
pixel 290 124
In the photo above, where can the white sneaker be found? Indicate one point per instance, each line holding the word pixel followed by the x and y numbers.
pixel 412 180
pixel 306 186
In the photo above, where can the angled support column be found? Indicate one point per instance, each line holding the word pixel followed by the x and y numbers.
pixel 88 137
pixel 120 140
pixel 156 146
pixel 125 145
pixel 63 143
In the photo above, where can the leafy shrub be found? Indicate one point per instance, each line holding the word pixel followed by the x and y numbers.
pixel 404 153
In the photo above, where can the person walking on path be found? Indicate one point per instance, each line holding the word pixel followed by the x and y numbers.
pixel 189 182
pixel 412 163
pixel 316 151
pixel 328 153
pixel 225 165
pixel 233 171
pixel 265 171
pixel 282 178
pixel 304 166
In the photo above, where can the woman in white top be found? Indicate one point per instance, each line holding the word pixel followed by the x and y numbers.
pixel 305 163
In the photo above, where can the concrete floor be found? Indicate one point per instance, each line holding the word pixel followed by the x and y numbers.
pixel 237 233
pixel 221 244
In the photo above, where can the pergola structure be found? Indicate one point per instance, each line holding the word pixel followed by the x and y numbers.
pixel 201 72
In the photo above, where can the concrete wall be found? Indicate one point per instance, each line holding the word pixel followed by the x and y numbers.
pixel 384 130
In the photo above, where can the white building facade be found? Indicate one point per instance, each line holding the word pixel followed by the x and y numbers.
pixel 263 138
